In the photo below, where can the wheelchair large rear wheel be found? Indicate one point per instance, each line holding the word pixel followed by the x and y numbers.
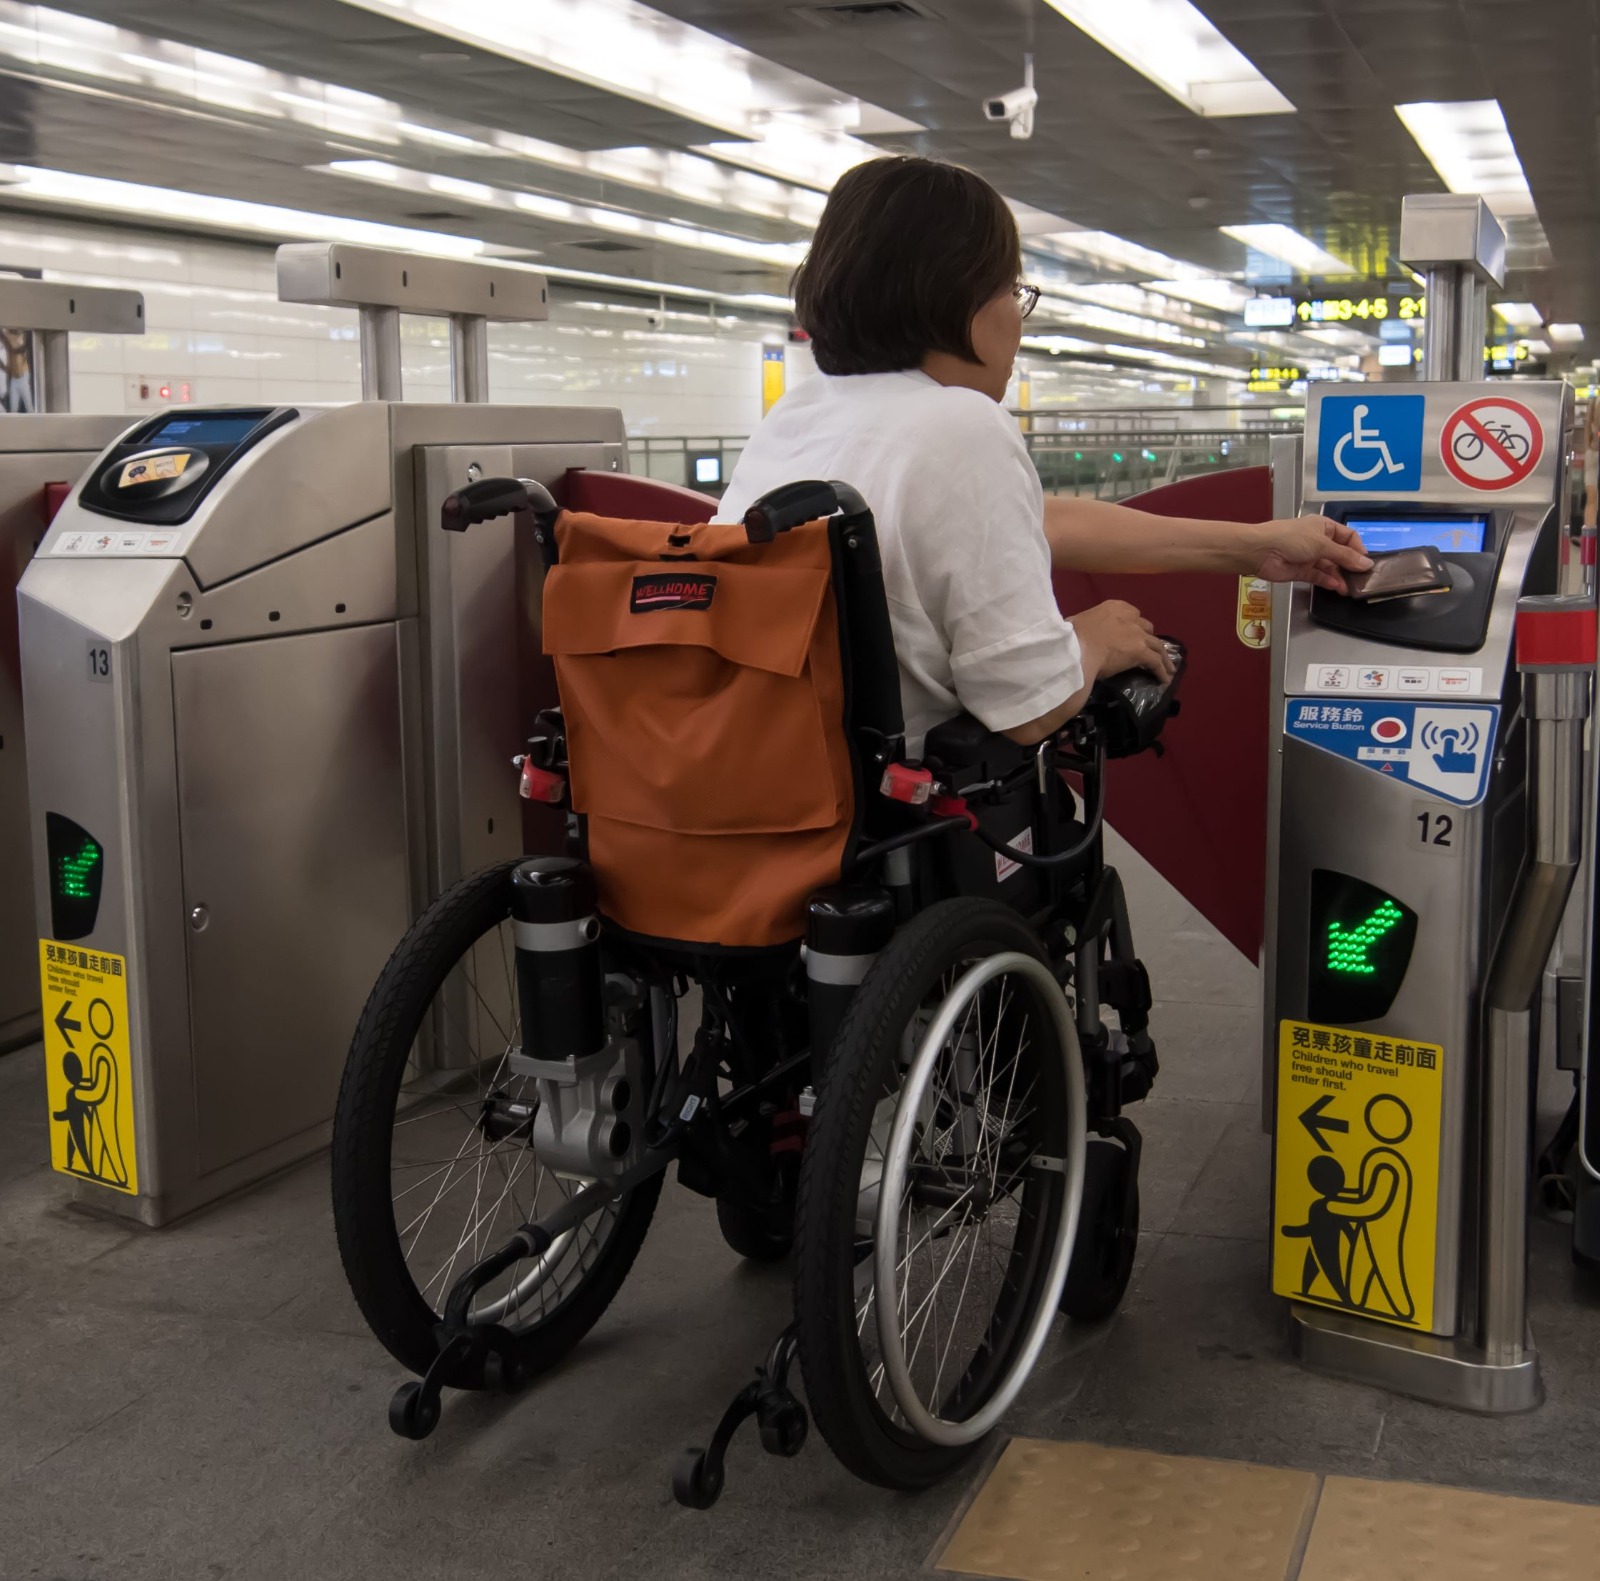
pixel 939 1193
pixel 433 1162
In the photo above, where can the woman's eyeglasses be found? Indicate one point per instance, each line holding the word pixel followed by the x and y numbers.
pixel 1027 297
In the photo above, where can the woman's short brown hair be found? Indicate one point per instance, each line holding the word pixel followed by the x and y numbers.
pixel 906 253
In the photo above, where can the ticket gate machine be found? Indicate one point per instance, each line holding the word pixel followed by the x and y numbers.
pixel 273 709
pixel 1425 802
pixel 42 454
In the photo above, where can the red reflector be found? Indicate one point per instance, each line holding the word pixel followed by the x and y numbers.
pixel 542 784
pixel 1555 638
pixel 953 807
pixel 901 782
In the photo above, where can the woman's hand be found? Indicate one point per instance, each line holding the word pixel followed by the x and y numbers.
pixel 1114 637
pixel 1308 549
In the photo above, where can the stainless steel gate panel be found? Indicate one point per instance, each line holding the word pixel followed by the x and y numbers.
pixel 293 838
pixel 474 717
pixel 257 761
pixel 319 474
pixel 473 696
pixel 35 450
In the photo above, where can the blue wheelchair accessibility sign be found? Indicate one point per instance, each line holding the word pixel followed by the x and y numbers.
pixel 1370 444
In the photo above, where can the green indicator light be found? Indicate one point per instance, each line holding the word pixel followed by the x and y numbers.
pixel 1116 455
pixel 75 870
pixel 1077 455
pixel 1348 947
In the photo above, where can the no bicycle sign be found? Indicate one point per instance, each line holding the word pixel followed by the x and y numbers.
pixel 1491 443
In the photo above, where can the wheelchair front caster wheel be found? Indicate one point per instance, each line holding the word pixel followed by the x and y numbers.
pixel 783 1426
pixel 1108 1235
pixel 411 1413
pixel 695 1485
pixel 510 1375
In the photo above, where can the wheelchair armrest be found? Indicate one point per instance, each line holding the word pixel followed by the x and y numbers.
pixel 963 747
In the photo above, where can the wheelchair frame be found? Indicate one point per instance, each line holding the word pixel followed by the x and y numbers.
pixel 732 1111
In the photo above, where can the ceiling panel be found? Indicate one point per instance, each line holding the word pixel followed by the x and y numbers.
pixel 1112 151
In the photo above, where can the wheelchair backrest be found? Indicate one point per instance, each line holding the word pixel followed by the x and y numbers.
pixel 716 695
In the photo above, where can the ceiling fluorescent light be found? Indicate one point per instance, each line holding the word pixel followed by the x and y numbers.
pixel 1104 248
pixel 1290 247
pixel 1468 144
pixel 136 203
pixel 1175 45
pixel 1520 315
pixel 638 53
pixel 1565 334
pixel 1226 296
pixel 780 255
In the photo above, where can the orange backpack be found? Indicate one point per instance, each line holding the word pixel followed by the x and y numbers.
pixel 703 686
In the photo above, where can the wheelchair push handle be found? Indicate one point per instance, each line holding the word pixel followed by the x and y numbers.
pixel 793 504
pixel 488 498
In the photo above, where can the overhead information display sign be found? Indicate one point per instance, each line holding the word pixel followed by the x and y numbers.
pixel 1343 309
pixel 88 1071
pixel 1356 1171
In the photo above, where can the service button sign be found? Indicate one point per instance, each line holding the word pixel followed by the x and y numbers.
pixel 1356 1187
pixel 88 1071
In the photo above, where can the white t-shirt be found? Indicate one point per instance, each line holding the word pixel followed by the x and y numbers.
pixel 960 518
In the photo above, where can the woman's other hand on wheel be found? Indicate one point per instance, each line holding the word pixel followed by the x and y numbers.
pixel 1115 637
pixel 1308 549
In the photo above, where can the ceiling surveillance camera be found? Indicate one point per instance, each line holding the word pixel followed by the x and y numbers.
pixel 655 320
pixel 1017 106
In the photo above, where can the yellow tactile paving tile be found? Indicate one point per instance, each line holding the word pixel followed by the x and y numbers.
pixel 1067 1512
pixel 1402 1531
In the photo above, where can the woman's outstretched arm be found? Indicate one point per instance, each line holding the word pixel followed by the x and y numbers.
pixel 1094 535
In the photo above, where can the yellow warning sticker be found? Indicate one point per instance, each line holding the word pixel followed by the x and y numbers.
pixel 1356 1187
pixel 88 1070
pixel 1254 621
pixel 152 469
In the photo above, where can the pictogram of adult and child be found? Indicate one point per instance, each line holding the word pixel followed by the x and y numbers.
pixel 91 1110
pixel 1356 1233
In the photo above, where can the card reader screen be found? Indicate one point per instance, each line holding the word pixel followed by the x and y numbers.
pixel 220 428
pixel 1448 534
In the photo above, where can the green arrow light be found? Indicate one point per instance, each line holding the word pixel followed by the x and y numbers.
pixel 1347 948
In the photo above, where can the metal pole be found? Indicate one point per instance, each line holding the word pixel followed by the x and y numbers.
pixel 1472 327
pixel 55 372
pixel 469 357
pixel 380 353
pixel 1284 458
pixel 1444 291
pixel 1556 702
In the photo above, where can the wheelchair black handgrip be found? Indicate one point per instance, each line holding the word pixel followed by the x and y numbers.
pixel 491 497
pixel 789 506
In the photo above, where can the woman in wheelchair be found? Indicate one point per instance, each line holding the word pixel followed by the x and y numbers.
pixel 834 784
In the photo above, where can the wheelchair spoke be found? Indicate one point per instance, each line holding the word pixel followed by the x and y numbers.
pixel 962 1221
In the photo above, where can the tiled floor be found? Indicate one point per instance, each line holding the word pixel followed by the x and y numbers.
pixel 1059 1512
pixel 205 1402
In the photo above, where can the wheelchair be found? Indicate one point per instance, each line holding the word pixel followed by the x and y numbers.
pixel 917 1014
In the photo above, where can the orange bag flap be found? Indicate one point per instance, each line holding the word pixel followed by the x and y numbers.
pixel 760 617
